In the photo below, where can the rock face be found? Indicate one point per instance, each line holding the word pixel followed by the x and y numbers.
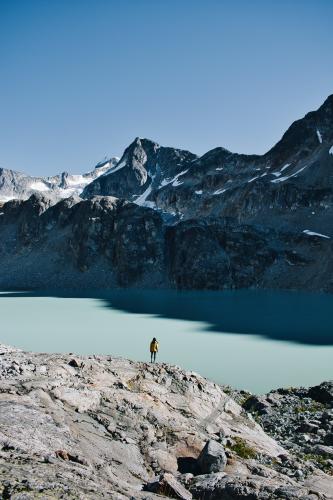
pixel 143 169
pixel 98 243
pixel 164 217
pixel 103 427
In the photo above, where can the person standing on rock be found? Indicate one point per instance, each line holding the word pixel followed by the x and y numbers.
pixel 153 350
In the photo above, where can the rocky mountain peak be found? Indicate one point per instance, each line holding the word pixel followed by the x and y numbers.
pixel 305 135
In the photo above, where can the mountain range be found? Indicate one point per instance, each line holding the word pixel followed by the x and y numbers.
pixel 164 217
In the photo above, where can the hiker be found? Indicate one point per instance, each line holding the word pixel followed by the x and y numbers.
pixel 153 350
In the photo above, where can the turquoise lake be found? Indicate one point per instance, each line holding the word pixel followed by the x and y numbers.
pixel 255 340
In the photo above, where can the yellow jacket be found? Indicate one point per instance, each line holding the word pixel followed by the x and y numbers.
pixel 153 346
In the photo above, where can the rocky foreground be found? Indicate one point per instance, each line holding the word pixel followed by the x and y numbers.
pixel 103 427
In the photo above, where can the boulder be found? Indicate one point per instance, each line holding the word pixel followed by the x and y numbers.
pixel 325 451
pixel 322 393
pixel 258 404
pixel 212 458
pixel 328 439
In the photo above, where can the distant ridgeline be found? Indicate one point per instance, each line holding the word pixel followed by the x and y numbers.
pixel 164 217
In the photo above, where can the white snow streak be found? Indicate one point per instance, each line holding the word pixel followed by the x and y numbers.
pixel 177 183
pixel 331 150
pixel 312 233
pixel 198 192
pixel 281 179
pixel 220 191
pixel 254 178
pixel 174 181
pixel 286 166
pixel 141 200
pixel 320 139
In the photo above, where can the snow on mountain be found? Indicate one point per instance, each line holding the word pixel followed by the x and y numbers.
pixel 162 216
pixel 17 185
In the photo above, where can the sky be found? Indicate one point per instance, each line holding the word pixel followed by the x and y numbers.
pixel 80 79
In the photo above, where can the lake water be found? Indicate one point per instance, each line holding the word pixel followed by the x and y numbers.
pixel 253 340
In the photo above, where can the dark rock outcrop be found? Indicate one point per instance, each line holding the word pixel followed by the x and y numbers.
pixel 322 393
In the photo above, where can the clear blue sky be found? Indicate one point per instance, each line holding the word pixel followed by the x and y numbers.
pixel 81 78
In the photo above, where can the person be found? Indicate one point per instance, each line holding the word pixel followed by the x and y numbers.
pixel 153 350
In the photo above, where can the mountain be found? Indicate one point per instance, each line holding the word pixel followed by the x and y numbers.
pixel 17 185
pixel 295 175
pixel 144 168
pixel 164 217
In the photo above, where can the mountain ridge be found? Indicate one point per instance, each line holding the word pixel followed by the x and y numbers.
pixel 164 217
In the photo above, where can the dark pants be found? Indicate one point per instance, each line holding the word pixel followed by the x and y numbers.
pixel 152 357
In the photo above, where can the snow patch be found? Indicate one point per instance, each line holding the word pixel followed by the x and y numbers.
pixel 198 192
pixel 331 150
pixel 282 179
pixel 39 186
pixel 4 199
pixel 320 139
pixel 141 200
pixel 174 181
pixel 78 180
pixel 177 183
pixel 67 193
pixel 219 168
pixel 312 233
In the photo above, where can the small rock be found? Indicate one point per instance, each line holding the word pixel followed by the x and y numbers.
pixel 168 486
pixel 62 454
